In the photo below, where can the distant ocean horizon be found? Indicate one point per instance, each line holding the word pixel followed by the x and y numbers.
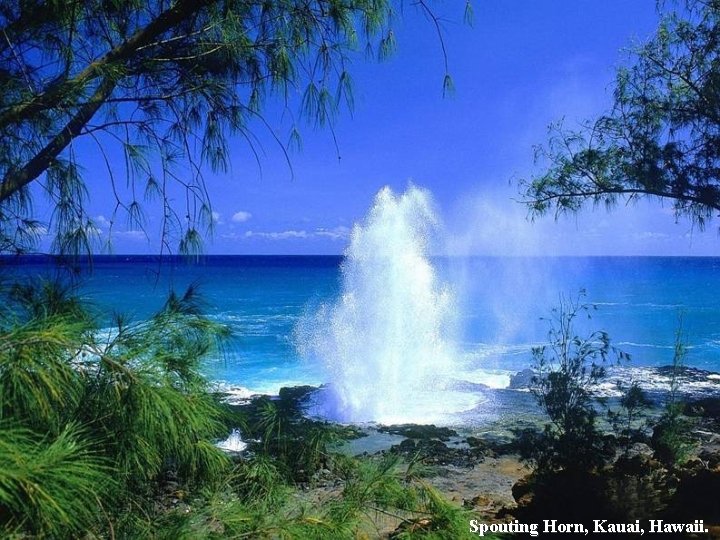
pixel 502 305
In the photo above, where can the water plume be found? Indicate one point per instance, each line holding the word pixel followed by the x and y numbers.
pixel 386 342
pixel 234 442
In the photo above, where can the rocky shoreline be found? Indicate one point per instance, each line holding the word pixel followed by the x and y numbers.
pixel 485 475
pixel 477 473
pixel 478 467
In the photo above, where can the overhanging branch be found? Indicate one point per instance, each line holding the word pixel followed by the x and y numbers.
pixel 52 97
pixel 18 178
pixel 553 197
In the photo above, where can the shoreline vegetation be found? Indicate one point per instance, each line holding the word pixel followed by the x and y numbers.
pixel 115 436
pixel 114 432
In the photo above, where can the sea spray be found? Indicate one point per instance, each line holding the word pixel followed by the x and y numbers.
pixel 234 442
pixel 386 340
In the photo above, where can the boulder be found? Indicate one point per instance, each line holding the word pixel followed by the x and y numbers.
pixel 419 431
pixel 707 407
pixel 297 395
pixel 522 490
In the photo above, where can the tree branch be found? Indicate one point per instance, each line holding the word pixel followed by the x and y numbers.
pixel 18 178
pixel 551 197
pixel 53 96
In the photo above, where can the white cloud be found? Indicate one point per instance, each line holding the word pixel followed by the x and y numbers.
pixel 241 216
pixel 217 217
pixel 336 233
pixel 131 235
pixel 339 233
pixel 278 235
pixel 102 221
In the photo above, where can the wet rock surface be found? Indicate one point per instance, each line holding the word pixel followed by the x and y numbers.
pixel 297 395
pixel 479 469
pixel 420 431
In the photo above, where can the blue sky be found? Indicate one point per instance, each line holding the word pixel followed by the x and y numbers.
pixel 523 65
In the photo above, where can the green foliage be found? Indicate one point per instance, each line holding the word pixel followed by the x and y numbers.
pixel 93 420
pixel 372 491
pixel 147 387
pixel 670 435
pixel 388 489
pixel 110 434
pixel 567 369
pixel 660 137
pixel 258 480
pixel 51 486
pixel 299 446
pixel 42 329
pixel 627 421
pixel 162 86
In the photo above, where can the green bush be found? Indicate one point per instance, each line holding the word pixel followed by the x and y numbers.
pixel 670 435
pixel 566 371
pixel 52 486
pixel 93 422
pixel 627 421
pixel 111 435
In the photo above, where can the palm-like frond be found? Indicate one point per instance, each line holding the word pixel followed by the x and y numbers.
pixel 51 487
pixel 42 331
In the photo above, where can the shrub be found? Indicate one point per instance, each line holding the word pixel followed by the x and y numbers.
pixel 670 435
pixel 51 486
pixel 627 420
pixel 566 370
pixel 110 435
pixel 91 423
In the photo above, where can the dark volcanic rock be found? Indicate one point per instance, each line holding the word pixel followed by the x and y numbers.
pixel 407 446
pixel 697 498
pixel 436 452
pixel 637 465
pixel 711 457
pixel 522 490
pixel 639 449
pixel 433 447
pixel 297 395
pixel 564 495
pixel 418 431
pixel 707 407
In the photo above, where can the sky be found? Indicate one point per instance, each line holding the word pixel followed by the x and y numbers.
pixel 522 65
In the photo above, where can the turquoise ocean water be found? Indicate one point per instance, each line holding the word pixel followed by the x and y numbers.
pixel 499 303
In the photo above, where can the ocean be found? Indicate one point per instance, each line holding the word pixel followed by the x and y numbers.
pixel 499 306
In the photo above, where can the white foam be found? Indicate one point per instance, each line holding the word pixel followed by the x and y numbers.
pixel 496 379
pixel 650 379
pixel 233 443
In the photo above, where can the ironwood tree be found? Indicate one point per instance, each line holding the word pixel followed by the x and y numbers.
pixel 661 139
pixel 158 87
